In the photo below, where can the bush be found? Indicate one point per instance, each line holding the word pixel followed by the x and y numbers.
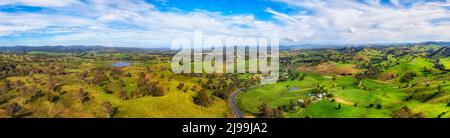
pixel 180 86
pixel 82 96
pixel 409 76
pixel 123 95
pixel 109 109
pixel 12 109
pixel 405 112
pixel 379 106
pixel 107 90
pixel 203 99
pixel 3 98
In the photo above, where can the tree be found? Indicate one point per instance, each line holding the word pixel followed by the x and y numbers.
pixel 302 77
pixel 32 93
pixel 50 86
pixel 409 76
pixel 142 81
pixel 319 89
pixel 109 109
pixel 129 75
pixel 122 83
pixel 292 105
pixel 264 110
pixel 12 109
pixel 84 75
pixel 307 102
pixel 142 75
pixel 439 87
pixel 115 73
pixel 3 98
pixel 82 95
pixel 379 106
pixel 180 86
pixel 123 95
pixel 151 88
pixel 107 90
pixel 158 91
pixel 405 112
pixel 203 98
pixel 277 112
pixel 52 96
pixel 5 86
pixel 135 94
pixel 98 78
pixel 440 67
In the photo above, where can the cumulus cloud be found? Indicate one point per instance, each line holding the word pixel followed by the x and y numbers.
pixel 40 3
pixel 374 22
pixel 138 23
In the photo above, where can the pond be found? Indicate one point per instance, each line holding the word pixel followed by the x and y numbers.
pixel 121 64
pixel 293 89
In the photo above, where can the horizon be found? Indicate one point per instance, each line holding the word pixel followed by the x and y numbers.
pixel 300 46
pixel 155 23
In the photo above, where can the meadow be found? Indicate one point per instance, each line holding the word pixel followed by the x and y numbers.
pixel 350 82
pixel 355 92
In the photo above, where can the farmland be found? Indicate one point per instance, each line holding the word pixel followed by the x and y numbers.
pixel 365 83
pixel 400 81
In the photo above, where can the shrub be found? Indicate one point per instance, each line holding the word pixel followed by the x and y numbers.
pixel 203 99
pixel 409 76
pixel 123 95
pixel 379 106
pixel 82 95
pixel 109 109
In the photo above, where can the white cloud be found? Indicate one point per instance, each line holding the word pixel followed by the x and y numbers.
pixel 137 23
pixel 40 3
pixel 373 22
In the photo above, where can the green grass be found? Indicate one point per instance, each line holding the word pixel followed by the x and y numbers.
pixel 121 55
pixel 445 62
pixel 389 96
pixel 174 104
pixel 409 64
pixel 328 109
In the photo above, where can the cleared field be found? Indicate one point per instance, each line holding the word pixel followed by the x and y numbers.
pixel 332 68
pixel 348 101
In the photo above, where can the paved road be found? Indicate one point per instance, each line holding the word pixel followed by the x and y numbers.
pixel 237 112
pixel 232 100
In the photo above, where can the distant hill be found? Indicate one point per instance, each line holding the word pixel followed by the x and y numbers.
pixel 25 49
pixel 361 46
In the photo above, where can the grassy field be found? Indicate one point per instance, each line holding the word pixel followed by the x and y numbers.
pixel 174 104
pixel 354 101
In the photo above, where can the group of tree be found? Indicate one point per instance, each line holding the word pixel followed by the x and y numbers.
pixel 203 98
pixel 115 73
pixel 407 77
pixel 148 88
pixel 266 112
pixel 109 109
pixel 81 95
pixel 98 78
pixel 405 112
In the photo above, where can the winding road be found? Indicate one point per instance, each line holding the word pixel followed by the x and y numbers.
pixel 237 112
pixel 232 100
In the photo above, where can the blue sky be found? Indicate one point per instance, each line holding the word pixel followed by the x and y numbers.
pixel 155 23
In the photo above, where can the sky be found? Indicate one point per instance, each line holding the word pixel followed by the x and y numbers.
pixel 155 23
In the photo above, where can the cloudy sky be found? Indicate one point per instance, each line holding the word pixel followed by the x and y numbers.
pixel 155 23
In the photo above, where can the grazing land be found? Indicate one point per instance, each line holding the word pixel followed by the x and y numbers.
pixel 377 82
pixel 400 81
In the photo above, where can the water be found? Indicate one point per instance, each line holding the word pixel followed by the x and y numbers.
pixel 293 89
pixel 121 64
